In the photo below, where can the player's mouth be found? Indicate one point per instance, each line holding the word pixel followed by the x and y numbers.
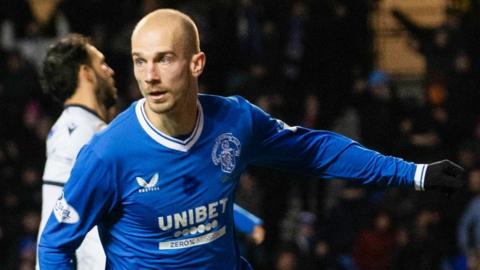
pixel 158 96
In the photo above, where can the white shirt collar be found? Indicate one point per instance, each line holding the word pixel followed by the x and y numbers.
pixel 164 139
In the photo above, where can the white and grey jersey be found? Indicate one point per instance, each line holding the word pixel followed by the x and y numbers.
pixel 72 130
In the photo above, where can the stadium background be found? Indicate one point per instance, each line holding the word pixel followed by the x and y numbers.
pixel 399 76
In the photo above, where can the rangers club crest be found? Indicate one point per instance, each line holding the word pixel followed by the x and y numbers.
pixel 225 151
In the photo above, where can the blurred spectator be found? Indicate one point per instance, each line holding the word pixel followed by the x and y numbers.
pixel 312 112
pixel 294 52
pixel 440 45
pixel 287 259
pixel 401 259
pixel 346 219
pixel 342 52
pixel 373 248
pixel 461 103
pixel 380 111
pixel 257 82
pixel 306 232
pixel 249 195
pixel 422 247
pixel 455 209
pixel 249 32
pixel 31 135
pixel 30 183
pixel 450 86
pixel 468 154
pixel 420 136
pixel 469 224
pixel 27 247
pixel 20 86
pixel 31 26
pixel 469 234
pixel 323 258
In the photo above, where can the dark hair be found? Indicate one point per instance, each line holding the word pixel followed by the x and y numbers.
pixel 61 65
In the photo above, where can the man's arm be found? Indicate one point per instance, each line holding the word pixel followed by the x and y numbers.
pixel 326 154
pixel 418 32
pixel 88 194
pixel 248 223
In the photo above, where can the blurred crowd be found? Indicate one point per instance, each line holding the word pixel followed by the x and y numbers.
pixel 309 63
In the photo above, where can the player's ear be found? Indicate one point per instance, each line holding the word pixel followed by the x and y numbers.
pixel 198 63
pixel 85 72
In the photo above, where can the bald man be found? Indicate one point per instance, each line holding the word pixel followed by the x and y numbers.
pixel 87 102
pixel 159 181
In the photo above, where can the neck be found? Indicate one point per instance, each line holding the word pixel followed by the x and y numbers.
pixel 179 121
pixel 89 101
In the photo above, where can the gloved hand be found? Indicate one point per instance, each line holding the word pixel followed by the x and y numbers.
pixel 444 176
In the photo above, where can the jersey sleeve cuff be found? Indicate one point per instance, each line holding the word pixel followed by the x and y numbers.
pixel 420 176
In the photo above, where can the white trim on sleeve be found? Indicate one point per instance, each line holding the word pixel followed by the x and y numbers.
pixel 420 176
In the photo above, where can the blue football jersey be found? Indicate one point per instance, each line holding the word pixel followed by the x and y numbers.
pixel 165 203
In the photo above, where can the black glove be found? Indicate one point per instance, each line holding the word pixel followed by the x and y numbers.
pixel 444 176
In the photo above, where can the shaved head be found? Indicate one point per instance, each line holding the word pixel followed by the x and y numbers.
pixel 167 62
pixel 178 26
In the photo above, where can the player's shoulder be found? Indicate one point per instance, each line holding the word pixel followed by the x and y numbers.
pixel 80 113
pixel 122 121
pixel 220 100
pixel 74 124
pixel 221 103
pixel 115 134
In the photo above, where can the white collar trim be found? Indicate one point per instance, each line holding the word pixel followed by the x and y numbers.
pixel 164 139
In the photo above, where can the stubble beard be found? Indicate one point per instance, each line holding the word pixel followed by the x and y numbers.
pixel 106 93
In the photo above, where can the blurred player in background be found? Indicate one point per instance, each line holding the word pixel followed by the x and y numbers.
pixel 159 181
pixel 76 74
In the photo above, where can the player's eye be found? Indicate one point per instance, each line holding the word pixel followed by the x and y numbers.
pixel 139 62
pixel 166 59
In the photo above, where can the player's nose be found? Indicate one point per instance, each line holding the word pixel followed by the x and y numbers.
pixel 152 73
